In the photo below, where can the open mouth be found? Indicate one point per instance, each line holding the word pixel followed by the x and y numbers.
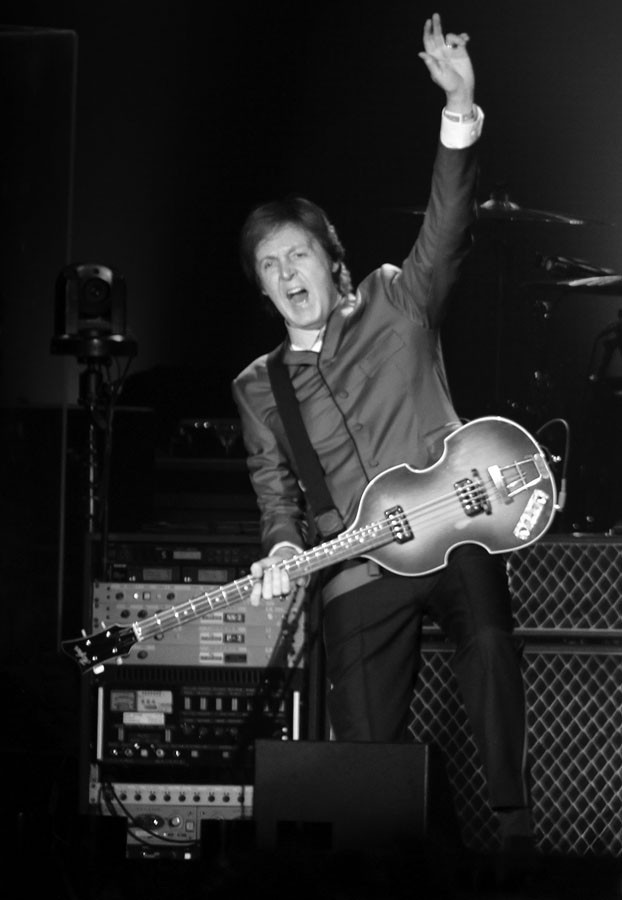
pixel 297 294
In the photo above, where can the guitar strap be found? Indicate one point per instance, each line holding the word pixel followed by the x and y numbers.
pixel 327 518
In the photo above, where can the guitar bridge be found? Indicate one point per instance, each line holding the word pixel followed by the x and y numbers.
pixel 472 495
pixel 398 523
pixel 520 476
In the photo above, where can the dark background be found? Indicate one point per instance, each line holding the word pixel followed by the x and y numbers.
pixel 138 136
pixel 186 114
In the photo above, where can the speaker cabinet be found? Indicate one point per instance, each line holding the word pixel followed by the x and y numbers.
pixel 346 795
pixel 565 586
pixel 567 608
pixel 574 711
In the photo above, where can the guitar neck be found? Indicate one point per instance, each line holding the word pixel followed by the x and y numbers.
pixel 345 546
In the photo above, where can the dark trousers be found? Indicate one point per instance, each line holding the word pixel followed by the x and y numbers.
pixel 372 639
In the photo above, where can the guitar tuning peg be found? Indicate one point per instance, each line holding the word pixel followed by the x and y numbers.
pixel 83 632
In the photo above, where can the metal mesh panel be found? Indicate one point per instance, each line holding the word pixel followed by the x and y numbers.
pixel 574 702
pixel 439 719
pixel 566 583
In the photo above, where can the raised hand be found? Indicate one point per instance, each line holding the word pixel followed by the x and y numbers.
pixel 448 63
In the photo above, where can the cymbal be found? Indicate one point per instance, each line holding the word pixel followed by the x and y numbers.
pixel 507 211
pixel 597 284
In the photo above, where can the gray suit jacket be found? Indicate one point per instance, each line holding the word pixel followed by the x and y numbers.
pixel 376 395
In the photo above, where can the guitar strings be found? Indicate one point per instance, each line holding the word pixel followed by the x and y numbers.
pixel 339 549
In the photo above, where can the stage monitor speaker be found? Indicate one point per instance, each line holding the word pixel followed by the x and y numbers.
pixel 330 795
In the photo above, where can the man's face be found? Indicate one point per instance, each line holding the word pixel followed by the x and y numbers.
pixel 296 273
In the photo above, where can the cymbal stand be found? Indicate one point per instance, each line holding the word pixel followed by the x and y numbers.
pixel 610 340
pixel 502 262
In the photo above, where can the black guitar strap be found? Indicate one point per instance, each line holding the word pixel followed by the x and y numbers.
pixel 326 517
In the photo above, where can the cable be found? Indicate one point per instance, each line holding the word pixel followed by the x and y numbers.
pixel 563 489
pixel 107 797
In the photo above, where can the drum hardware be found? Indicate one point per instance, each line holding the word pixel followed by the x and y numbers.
pixel 499 208
pixel 608 285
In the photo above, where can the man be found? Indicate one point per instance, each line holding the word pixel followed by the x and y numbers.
pixel 368 373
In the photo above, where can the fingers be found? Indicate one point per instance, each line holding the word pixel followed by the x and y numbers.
pixel 432 32
pixel 453 41
pixel 434 41
pixel 272 580
pixel 255 596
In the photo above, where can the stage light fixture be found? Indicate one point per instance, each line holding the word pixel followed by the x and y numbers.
pixel 90 313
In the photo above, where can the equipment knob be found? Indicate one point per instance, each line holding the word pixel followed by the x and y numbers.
pixel 151 822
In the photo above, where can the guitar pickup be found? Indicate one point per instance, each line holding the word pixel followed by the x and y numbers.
pixel 398 523
pixel 472 495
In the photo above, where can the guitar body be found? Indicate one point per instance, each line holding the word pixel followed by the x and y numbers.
pixel 492 486
pixel 434 511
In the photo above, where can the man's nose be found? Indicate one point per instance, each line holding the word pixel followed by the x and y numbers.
pixel 287 270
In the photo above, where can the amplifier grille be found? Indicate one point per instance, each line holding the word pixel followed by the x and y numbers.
pixel 574 703
pixel 568 584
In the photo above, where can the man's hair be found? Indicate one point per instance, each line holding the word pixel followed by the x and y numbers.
pixel 267 217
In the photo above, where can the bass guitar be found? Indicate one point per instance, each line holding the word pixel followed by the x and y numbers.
pixel 492 486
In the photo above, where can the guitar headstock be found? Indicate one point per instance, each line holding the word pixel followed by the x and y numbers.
pixel 91 651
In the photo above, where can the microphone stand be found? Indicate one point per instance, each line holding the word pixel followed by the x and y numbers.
pixel 90 398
